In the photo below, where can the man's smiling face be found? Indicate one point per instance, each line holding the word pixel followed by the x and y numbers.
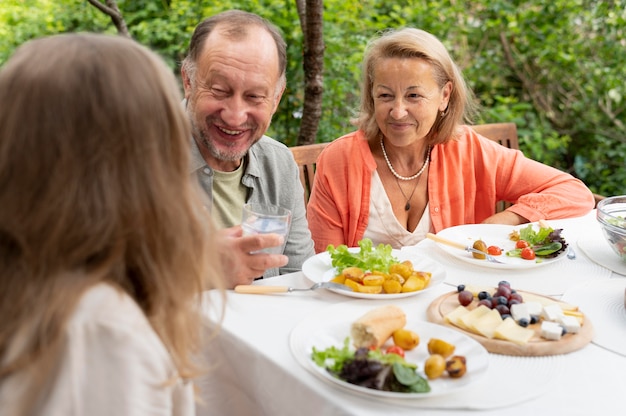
pixel 235 92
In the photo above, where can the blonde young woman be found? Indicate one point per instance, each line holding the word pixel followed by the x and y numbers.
pixel 104 246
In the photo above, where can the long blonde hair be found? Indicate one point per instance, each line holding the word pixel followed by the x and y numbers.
pixel 95 187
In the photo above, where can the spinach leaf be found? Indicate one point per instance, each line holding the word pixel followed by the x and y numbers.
pixel 408 377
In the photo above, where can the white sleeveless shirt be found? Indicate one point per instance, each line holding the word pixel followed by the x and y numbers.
pixel 383 226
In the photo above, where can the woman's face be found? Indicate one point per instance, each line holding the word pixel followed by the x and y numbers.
pixel 407 99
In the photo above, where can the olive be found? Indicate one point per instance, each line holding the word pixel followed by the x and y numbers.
pixel 481 246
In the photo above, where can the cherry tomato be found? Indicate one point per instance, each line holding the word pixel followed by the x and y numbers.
pixel 494 250
pixel 521 244
pixel 394 349
pixel 528 253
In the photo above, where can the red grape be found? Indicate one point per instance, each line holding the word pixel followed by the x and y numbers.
pixel 465 297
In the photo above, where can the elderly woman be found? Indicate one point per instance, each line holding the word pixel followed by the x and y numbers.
pixel 413 168
pixel 104 244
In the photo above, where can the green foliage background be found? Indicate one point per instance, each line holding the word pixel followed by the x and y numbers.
pixel 562 82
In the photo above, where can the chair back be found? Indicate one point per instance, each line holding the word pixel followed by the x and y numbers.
pixel 503 133
pixel 506 135
pixel 306 157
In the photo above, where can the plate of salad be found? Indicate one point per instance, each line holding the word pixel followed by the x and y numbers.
pixel 516 247
pixel 325 266
pixel 321 344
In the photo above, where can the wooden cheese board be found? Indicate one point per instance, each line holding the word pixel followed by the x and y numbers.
pixel 537 346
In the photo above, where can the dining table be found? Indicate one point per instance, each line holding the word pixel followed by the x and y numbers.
pixel 252 368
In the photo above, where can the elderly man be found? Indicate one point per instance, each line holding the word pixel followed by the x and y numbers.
pixel 234 77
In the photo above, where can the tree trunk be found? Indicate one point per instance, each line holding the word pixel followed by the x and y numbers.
pixel 311 15
pixel 111 10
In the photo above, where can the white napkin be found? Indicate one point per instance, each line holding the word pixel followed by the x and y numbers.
pixel 603 302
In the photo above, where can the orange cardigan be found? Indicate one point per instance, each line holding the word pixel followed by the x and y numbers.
pixel 466 178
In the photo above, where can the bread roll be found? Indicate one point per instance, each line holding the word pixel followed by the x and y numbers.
pixel 376 326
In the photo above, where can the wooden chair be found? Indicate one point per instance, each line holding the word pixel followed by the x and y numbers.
pixel 306 157
pixel 503 133
pixel 506 135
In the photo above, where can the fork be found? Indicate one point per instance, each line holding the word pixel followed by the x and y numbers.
pixel 471 249
pixel 258 289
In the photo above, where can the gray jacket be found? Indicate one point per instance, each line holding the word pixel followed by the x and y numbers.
pixel 271 177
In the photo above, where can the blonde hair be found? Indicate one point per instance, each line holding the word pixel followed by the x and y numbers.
pixel 95 187
pixel 413 43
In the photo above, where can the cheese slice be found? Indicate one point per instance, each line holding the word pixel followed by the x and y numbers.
pixel 467 320
pixel 453 317
pixel 486 324
pixel 509 330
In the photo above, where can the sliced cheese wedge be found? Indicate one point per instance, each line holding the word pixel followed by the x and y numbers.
pixel 467 320
pixel 509 330
pixel 486 325
pixel 453 317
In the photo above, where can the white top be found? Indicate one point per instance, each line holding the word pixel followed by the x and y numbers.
pixel 113 364
pixel 383 226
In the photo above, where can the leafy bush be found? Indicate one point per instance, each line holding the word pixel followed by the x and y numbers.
pixel 555 68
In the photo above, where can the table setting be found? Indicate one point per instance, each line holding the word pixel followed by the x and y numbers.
pixel 264 339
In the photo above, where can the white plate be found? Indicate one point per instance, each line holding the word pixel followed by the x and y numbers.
pixel 492 235
pixel 332 325
pixel 319 269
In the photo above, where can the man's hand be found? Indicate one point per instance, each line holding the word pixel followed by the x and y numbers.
pixel 241 264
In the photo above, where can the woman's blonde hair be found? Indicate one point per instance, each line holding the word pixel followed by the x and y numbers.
pixel 95 187
pixel 413 43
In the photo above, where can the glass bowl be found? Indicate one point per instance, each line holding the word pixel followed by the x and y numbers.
pixel 611 214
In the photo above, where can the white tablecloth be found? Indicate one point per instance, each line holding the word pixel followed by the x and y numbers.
pixel 253 371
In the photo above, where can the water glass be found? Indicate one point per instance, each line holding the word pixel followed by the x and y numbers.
pixel 265 219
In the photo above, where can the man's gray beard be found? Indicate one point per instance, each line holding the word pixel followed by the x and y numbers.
pixel 220 155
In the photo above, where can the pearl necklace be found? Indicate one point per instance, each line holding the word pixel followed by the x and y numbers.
pixel 404 178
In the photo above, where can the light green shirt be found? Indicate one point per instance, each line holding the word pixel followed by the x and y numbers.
pixel 229 196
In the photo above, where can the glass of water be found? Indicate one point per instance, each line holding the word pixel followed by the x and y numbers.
pixel 265 219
